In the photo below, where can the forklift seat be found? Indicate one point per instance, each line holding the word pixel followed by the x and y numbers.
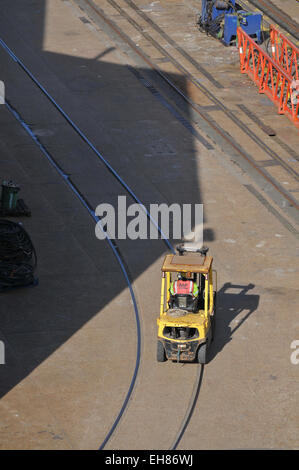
pixel 184 301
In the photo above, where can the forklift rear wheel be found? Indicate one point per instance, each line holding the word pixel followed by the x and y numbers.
pixel 161 356
pixel 202 354
pixel 213 326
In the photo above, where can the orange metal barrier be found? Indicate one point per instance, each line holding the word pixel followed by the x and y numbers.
pixel 284 52
pixel 269 76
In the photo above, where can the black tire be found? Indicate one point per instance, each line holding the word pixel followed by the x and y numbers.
pixel 213 326
pixel 202 354
pixel 161 356
pixel 213 318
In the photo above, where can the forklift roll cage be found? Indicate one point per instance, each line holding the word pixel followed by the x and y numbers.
pixel 188 263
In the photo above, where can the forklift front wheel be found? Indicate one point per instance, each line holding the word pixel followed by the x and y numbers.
pixel 202 354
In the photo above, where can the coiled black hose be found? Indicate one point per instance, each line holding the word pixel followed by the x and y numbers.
pixel 18 258
pixel 212 27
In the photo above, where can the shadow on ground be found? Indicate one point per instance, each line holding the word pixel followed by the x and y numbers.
pixel 234 305
pixel 140 135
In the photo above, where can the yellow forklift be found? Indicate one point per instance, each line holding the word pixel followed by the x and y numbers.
pixel 186 323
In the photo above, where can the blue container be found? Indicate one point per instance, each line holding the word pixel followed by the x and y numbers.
pixel 250 22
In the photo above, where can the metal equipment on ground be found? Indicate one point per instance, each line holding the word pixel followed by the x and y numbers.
pixel 10 205
pixel 284 52
pixel 271 75
pixel 18 258
pixel 9 195
pixel 220 18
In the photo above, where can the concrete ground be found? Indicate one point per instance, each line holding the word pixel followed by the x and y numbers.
pixel 70 342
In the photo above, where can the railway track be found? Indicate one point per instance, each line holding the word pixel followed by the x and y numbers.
pixel 112 244
pixel 196 388
pixel 198 67
pixel 275 191
pixel 279 16
pixel 190 409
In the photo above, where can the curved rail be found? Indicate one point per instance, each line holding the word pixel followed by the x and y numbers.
pixel 113 247
pixel 92 213
pixel 86 140
pixel 192 403
pixel 111 243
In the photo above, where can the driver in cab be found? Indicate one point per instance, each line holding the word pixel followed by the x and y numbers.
pixel 184 285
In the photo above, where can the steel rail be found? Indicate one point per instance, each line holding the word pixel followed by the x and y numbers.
pixel 116 252
pixel 190 409
pixel 228 139
pixel 192 61
pixel 111 244
pixel 278 16
pixel 92 213
pixel 86 140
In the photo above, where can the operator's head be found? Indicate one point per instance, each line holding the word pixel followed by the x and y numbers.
pixel 181 276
